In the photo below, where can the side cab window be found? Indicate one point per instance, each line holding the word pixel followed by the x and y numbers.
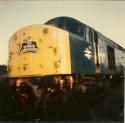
pixel 89 35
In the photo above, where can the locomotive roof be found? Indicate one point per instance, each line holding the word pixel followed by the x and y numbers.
pixel 69 24
pixel 61 21
pixel 64 18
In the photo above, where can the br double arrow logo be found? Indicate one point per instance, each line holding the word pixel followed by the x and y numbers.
pixel 88 53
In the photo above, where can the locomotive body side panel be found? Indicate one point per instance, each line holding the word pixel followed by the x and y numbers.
pixel 111 56
pixel 39 50
pixel 82 56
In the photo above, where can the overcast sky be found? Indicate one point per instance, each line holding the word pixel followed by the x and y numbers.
pixel 107 17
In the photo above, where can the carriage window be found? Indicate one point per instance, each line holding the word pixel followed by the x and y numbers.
pixel 95 37
pixel 111 57
pixel 80 30
pixel 89 37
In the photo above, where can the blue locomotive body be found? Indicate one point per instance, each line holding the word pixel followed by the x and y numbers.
pixel 91 52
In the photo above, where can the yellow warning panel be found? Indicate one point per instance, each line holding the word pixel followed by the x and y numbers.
pixel 39 50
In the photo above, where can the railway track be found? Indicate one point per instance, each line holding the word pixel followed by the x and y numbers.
pixel 18 116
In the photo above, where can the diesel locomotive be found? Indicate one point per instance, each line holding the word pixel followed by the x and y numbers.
pixel 63 55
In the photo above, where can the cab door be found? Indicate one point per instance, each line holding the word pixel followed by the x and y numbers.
pixel 89 49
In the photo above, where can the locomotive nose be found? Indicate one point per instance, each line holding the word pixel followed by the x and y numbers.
pixel 39 50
